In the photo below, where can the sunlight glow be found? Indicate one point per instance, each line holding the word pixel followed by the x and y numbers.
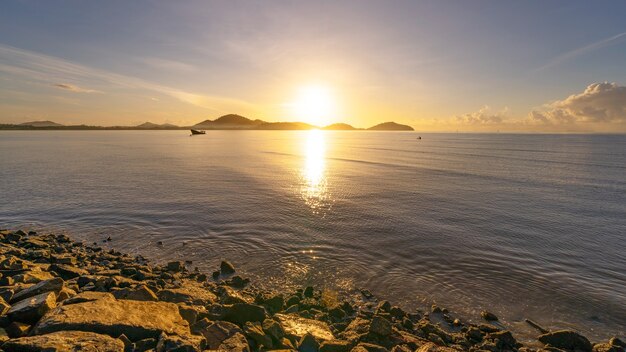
pixel 314 186
pixel 315 105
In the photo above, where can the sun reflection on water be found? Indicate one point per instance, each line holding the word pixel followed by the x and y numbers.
pixel 314 189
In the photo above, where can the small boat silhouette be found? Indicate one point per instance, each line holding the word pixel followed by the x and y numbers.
pixel 197 132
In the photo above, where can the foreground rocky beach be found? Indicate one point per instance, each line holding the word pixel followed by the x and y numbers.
pixel 61 295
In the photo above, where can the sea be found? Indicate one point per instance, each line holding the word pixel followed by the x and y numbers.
pixel 527 226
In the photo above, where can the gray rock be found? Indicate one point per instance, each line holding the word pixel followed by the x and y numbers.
pixel 53 285
pixel 65 341
pixel 17 329
pixel 567 340
pixel 31 309
pixel 380 326
pixel 176 266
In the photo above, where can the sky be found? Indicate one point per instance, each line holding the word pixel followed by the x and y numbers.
pixel 532 66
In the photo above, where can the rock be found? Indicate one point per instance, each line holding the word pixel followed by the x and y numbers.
pixel 176 266
pixel 65 341
pixel 4 306
pixel 369 347
pixel 298 326
pixel 68 272
pixel 141 293
pixel 88 296
pixel 136 319
pixel 179 344
pixel 52 285
pixel 431 347
pixel 215 333
pixel 308 291
pixel 188 294
pixel 17 329
pixel 240 313
pixel 226 268
pixel 308 344
pixel 504 340
pixel 33 277
pixel 148 344
pixel 380 326
pixel 273 329
pixel 255 332
pixel 566 339
pixel 274 303
pixel 488 316
pixel 607 347
pixel 335 346
pixel 235 343
pixel 614 341
pixel 31 309
pixel 4 336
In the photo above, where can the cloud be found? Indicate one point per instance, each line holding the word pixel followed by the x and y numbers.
pixel 50 70
pixel 585 49
pixel 74 88
pixel 483 116
pixel 598 103
pixel 169 65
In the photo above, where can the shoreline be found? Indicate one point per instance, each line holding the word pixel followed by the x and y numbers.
pixel 57 293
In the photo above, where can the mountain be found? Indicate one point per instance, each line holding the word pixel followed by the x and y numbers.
pixel 391 126
pixel 150 125
pixel 339 127
pixel 284 126
pixel 230 121
pixel 41 124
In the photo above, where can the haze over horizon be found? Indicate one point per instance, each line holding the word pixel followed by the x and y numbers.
pixel 437 66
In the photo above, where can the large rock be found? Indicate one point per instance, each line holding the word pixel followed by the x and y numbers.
pixel 298 326
pixel 52 285
pixel 29 310
pixel 64 341
pixel 215 333
pixel 189 294
pixel 136 319
pixel 236 343
pixel 240 313
pixel 68 272
pixel 566 340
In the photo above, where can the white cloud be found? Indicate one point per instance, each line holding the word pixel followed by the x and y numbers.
pixel 484 116
pixel 51 70
pixel 598 103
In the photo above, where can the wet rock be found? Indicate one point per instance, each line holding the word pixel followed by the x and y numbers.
pixel 190 293
pixel 240 313
pixel 274 303
pixel 566 339
pixel 68 272
pixel 488 316
pixel 235 343
pixel 607 347
pixel 308 344
pixel 52 285
pixel 237 282
pixel 504 340
pixel 145 345
pixel 308 291
pixel 4 336
pixel 175 266
pixel 380 326
pixel 65 341
pixel 135 319
pixel 298 326
pixel 226 268
pixel 29 310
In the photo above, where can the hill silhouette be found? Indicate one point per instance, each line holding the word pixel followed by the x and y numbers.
pixel 391 126
pixel 41 124
pixel 339 127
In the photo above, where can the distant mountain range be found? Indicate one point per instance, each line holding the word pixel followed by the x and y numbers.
pixel 226 122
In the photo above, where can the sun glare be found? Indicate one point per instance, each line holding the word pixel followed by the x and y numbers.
pixel 314 105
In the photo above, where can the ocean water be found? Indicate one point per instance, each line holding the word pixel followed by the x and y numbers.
pixel 526 226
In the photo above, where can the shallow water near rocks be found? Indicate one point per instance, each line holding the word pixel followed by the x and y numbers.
pixel 526 226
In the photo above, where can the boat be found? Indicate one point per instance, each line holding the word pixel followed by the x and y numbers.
pixel 197 132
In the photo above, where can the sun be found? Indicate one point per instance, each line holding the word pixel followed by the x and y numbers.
pixel 314 104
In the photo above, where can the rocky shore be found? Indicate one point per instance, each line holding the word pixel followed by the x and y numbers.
pixel 61 295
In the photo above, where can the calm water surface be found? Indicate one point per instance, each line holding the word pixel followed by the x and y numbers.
pixel 527 226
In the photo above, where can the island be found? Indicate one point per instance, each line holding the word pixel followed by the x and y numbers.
pixel 226 122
